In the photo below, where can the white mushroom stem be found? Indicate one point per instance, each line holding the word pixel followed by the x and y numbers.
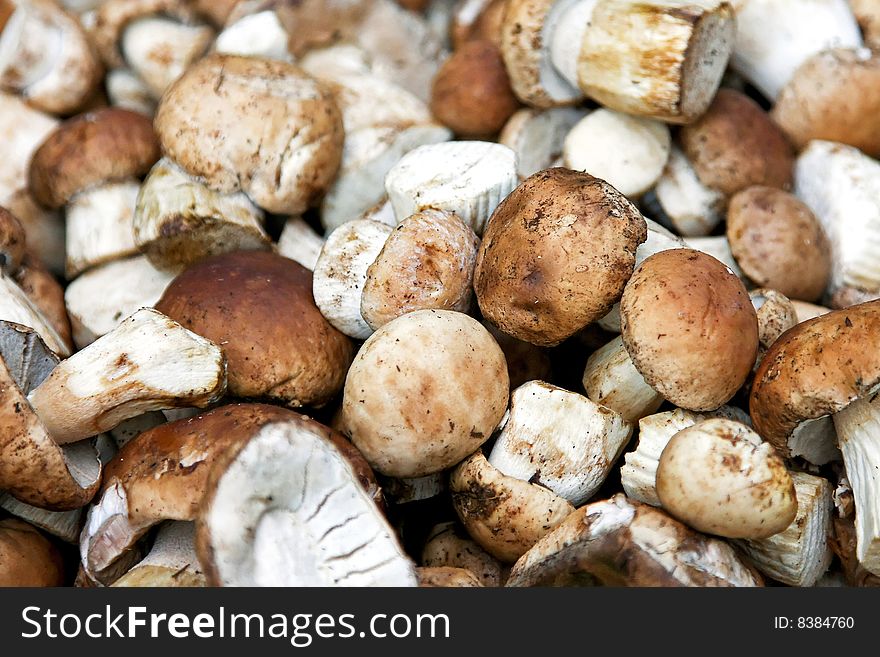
pixel 149 362
pixel 815 440
pixel 63 524
pixel 571 21
pixel 99 225
pixel 638 474
pixel 255 35
pixel 801 554
pixel 125 89
pixel 172 561
pixel 612 380
pixel 559 440
pixel 403 491
pixel 774 37
pixel 719 248
pixel 537 136
pixel 841 185
pixel 160 49
pixel 693 208
pixel 300 242
pixel 108 536
pixel 806 311
pixel 22 130
pixel 44 228
pixel 858 431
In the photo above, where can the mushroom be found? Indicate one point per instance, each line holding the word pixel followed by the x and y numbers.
pixel 504 515
pixel 45 230
pixel 559 440
pixel 445 577
pixel 805 311
pixel 778 242
pixel 299 241
pixel 162 474
pixel 425 391
pixel 626 151
pixel 46 56
pixel 469 178
pixel 258 307
pixel 27 558
pixel 692 208
pixel 537 136
pixel 260 34
pixel 800 554
pixel 556 255
pixel 618 542
pixel 448 545
pixel 721 478
pixel 841 186
pixel 126 90
pixel 91 164
pixel 208 119
pixel 65 525
pixel 285 508
pixel 179 221
pixel 689 327
pixel 776 314
pixel 17 307
pixel 171 562
pixel 471 92
pixel 794 384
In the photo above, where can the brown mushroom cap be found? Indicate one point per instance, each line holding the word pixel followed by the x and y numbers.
pixel 778 242
pixel 816 369
pixel 255 125
pixel 258 307
pixel 425 391
pixel 27 558
pixel 735 144
pixel 101 146
pixel 555 255
pixel 834 96
pixel 690 328
pixel 13 241
pixel 471 92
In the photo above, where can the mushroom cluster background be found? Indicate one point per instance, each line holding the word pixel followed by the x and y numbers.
pixel 440 293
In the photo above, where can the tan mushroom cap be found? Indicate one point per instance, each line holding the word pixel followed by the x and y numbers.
pixel 816 369
pixel 90 149
pixel 446 577
pixel 471 92
pixel 13 241
pixel 690 328
pixel 258 307
pixel 735 144
pixel 427 262
pixel 255 125
pixel 834 96
pixel 556 255
pixel 27 558
pixel 425 391
pixel 778 242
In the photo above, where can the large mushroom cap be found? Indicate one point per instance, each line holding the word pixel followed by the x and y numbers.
pixel 255 125
pixel 425 391
pixel 689 327
pixel 27 558
pixel 105 145
pixel 258 307
pixel 816 369
pixel 556 255
pixel 285 508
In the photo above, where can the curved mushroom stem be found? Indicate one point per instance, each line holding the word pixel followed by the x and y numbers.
pixel 149 362
pixel 858 433
pixel 172 561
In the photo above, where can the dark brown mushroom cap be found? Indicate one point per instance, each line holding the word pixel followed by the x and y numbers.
pixel 258 307
pixel 556 255
pixel 165 470
pixel 817 368
pixel 101 146
pixel 778 242
pixel 735 144
pixel 690 328
pixel 833 96
pixel 27 558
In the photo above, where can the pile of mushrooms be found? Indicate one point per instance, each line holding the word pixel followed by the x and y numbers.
pixel 440 293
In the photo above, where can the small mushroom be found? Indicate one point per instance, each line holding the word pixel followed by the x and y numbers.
pixel 776 315
pixel 425 391
pixel 446 577
pixel 538 136
pixel 170 563
pixel 556 255
pixel 448 545
pixel 720 477
pixel 619 542
pixel 27 558
pixel 285 508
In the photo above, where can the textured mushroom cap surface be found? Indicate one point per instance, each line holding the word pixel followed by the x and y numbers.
pixel 90 149
pixel 690 328
pixel 446 577
pixel 816 369
pixel 556 255
pixel 27 558
pixel 258 307
pixel 719 477
pixel 833 96
pixel 13 241
pixel 735 144
pixel 425 391
pixel 778 242
pixel 255 125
